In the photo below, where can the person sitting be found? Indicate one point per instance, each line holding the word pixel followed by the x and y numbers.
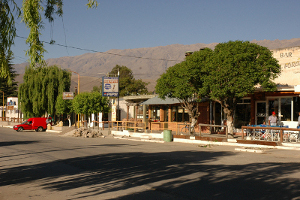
pixel 263 130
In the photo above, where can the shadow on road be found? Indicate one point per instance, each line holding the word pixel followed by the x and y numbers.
pixel 175 175
pixel 11 143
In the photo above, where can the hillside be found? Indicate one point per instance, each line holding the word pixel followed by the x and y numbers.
pixel 146 63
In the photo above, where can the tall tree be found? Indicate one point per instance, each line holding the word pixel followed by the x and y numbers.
pixel 234 71
pixel 184 81
pixel 32 17
pixel 128 85
pixel 38 93
pixel 7 35
pixel 10 90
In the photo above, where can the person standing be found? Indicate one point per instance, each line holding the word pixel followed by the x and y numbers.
pixel 273 119
pixel 298 120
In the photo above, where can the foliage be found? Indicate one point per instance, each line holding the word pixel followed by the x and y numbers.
pixel 63 106
pixel 236 67
pixel 92 4
pixel 38 93
pixel 90 102
pixel 183 81
pixel 7 35
pixel 32 17
pixel 96 89
pixel 10 90
pixel 128 85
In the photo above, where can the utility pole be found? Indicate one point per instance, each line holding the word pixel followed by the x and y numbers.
pixel 118 110
pixel 2 106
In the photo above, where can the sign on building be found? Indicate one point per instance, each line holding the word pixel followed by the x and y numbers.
pixel 110 86
pixel 10 107
pixel 289 60
pixel 68 95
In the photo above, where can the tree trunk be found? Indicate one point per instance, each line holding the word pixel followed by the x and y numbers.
pixel 229 111
pixel 193 112
pixel 230 124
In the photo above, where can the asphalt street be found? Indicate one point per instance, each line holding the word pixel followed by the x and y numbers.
pixel 35 165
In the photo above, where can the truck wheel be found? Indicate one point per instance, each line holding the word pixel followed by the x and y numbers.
pixel 20 129
pixel 39 129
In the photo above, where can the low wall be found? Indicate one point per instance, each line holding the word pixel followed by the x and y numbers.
pixel 4 123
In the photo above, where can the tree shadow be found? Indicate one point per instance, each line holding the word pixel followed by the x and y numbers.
pixel 11 143
pixel 168 175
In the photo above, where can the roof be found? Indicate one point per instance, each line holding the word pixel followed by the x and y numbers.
pixel 158 101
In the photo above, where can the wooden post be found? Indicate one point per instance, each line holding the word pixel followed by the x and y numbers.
pixel 242 133
pixel 127 116
pixel 162 114
pixel 281 135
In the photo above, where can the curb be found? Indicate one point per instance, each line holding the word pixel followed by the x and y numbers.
pixel 250 150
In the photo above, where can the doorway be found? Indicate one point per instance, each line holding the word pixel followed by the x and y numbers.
pixel 260 113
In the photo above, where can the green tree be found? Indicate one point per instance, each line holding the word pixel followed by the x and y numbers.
pixel 10 90
pixel 234 71
pixel 127 83
pixel 32 17
pixel 90 102
pixel 63 106
pixel 38 93
pixel 183 82
pixel 7 36
pixel 97 89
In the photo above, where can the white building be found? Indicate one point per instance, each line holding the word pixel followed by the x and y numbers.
pixel 11 110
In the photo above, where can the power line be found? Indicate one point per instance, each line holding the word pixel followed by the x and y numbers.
pixel 115 54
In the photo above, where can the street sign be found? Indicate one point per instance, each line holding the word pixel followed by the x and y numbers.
pixel 68 95
pixel 110 86
pixel 10 107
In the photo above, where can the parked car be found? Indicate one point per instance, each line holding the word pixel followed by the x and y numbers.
pixel 38 124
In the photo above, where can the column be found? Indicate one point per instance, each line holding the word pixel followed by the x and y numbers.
pixel 162 114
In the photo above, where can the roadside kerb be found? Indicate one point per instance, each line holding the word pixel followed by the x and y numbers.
pixel 157 137
pixel 230 142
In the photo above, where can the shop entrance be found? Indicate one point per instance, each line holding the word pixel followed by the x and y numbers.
pixel 261 114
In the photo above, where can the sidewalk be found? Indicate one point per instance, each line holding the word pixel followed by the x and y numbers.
pixel 158 138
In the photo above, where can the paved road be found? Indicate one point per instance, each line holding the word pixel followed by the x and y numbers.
pixel 47 166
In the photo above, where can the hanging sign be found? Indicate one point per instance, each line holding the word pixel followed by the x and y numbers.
pixel 110 86
pixel 68 95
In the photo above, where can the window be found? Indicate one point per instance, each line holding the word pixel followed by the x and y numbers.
pixel 273 106
pixel 286 109
pixel 156 113
pixel 180 113
pixel 242 113
pixel 296 106
pixel 140 112
pixel 186 116
pixel 174 113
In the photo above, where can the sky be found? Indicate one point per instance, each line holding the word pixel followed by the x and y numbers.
pixel 130 24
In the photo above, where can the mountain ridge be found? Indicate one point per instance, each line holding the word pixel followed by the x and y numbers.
pixel 146 63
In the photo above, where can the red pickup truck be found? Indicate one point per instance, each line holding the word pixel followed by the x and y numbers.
pixel 38 124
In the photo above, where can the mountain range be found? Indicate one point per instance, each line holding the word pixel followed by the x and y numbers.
pixel 146 63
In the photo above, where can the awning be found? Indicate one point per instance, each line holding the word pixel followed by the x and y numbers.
pixel 158 101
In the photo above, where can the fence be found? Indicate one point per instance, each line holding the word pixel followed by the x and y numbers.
pixel 11 119
pixel 280 134
pixel 213 126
